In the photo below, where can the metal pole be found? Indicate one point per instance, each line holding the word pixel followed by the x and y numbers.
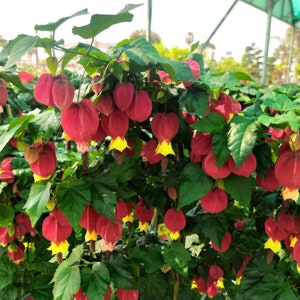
pixel 290 55
pixel 149 19
pixel 204 45
pixel 267 41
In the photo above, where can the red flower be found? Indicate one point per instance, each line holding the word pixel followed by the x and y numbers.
pixel 56 227
pixel 46 163
pixel 96 84
pixel 164 128
pixel 209 166
pixel 3 93
pixel 25 77
pixel 123 209
pixel 269 183
pixel 105 104
pixel 80 295
pixel 275 230
pixel 195 68
pixel 127 294
pixel 225 244
pixel 62 92
pixel 6 171
pixel 108 230
pixel 89 221
pixel 141 107
pixel 247 167
pixel 143 214
pixel 15 252
pixel 80 122
pixel 214 201
pixel 165 77
pixel 201 143
pixel 43 89
pixel 123 94
pixel 148 152
pixel 175 221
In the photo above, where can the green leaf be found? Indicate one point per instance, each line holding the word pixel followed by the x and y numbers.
pixel 239 188
pixel 54 25
pixel 211 123
pixel 177 257
pixel 241 138
pixel 99 23
pixel 40 287
pixel 19 49
pixel 103 188
pixel 66 281
pixel 220 147
pixel 125 171
pixel 121 272
pixel 195 102
pixel 38 198
pixel 44 124
pixel 214 226
pixel 10 292
pixel 72 196
pixel 194 183
pixel 290 118
pixel 7 271
pixel 150 257
pixel 95 280
pixel 7 215
pixel 75 255
pixel 8 131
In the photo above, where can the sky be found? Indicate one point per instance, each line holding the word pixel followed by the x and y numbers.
pixel 171 19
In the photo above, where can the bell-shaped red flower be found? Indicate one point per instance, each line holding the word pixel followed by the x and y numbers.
pixel 117 127
pixel 80 295
pixel 164 127
pixel 56 227
pixel 225 243
pixel 43 89
pixel 225 106
pixel 3 93
pixel 105 104
pixel 144 215
pixel 6 170
pixel 100 134
pixel 127 294
pixel 141 107
pixel 175 221
pixel 201 143
pixel 80 122
pixel 15 252
pixel 5 235
pixel 247 167
pixel 62 92
pixel 214 201
pixel 195 68
pixel 46 163
pixel 209 166
pixel 274 230
pixel 124 211
pixel 270 182
pixel 148 152
pixel 88 221
pixel 96 84
pixel 123 94
pixel 25 77
pixel 23 225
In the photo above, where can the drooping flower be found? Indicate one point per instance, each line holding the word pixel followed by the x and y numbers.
pixel 124 211
pixel 105 104
pixel 6 170
pixel 117 127
pixel 46 163
pixel 3 94
pixel 195 68
pixel 269 182
pixel 88 221
pixel 141 107
pixel 214 201
pixel 175 221
pixel 201 143
pixel 209 166
pixel 123 94
pixel 15 251
pixel 80 295
pixel 25 77
pixel 127 294
pixel 80 122
pixel 43 89
pixel 148 152
pixel 225 243
pixel 62 91
pixel 165 77
pixel 247 167
pixel 144 215
pixel 164 127
pixel 96 84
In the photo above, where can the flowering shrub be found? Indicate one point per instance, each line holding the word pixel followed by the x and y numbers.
pixel 140 177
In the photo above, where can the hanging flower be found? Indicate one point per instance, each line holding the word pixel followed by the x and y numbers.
pixel 62 91
pixel 80 295
pixel 165 77
pixel 124 211
pixel 247 167
pixel 195 68
pixel 46 163
pixel 88 221
pixel 141 107
pixel 96 84
pixel 80 122
pixel 164 128
pixel 117 127
pixel 123 94
pixel 225 243
pixel 209 166
pixel 6 171
pixel 201 143
pixel 148 152
pixel 127 294
pixel 269 182
pixel 215 201
pixel 175 221
pixel 56 228
pixel 3 94
pixel 43 89
pixel 105 104
pixel 15 251
pixel 25 77
pixel 144 215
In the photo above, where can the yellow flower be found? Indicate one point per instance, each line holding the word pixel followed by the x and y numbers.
pixel 62 247
pixel 128 218
pixel 288 194
pixel 293 241
pixel 220 283
pixel 91 236
pixel 164 148
pixel 275 246
pixel 118 143
pixel 174 235
pixel 143 226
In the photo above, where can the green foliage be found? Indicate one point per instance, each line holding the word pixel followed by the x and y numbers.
pixel 116 201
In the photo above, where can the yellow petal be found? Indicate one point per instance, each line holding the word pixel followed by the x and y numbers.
pixel 118 143
pixel 39 178
pixel 51 204
pixel 288 194
pixel 174 235
pixel 62 247
pixel 164 148
pixel 293 241
pixel 275 246
pixel 143 226
pixel 91 236
pixel 220 283
pixel 66 137
pixel 128 218
pixel 298 267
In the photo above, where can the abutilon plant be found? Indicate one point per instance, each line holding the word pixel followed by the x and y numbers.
pixel 164 127
pixel 3 94
pixel 148 152
pixel 225 243
pixel 43 89
pixel 195 69
pixel 88 221
pixel 123 94
pixel 215 201
pixel 144 214
pixel 105 104
pixel 247 167
pixel 62 92
pixel 175 221
pixel 6 170
pixel 80 121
